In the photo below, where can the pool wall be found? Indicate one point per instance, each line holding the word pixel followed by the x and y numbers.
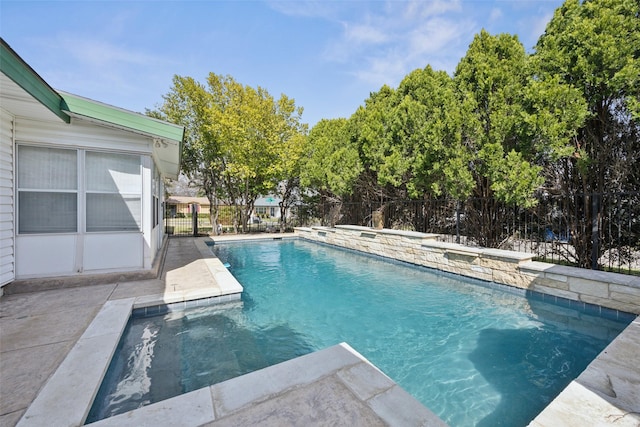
pixel 610 290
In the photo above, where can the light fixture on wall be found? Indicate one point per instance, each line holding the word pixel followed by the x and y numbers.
pixel 159 143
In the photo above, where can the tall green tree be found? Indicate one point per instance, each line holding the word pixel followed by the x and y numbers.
pixel 594 47
pixel 256 132
pixel 331 163
pixel 427 123
pixel 369 131
pixel 237 139
pixel 291 137
pixel 491 80
pixel 188 103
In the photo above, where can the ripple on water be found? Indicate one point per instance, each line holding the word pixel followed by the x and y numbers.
pixel 475 355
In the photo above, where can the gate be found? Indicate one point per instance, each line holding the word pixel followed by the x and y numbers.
pixel 189 224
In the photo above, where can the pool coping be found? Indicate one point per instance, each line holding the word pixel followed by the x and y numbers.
pixel 370 392
pixel 56 405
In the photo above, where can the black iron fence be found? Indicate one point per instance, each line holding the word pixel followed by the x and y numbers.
pixel 228 221
pixel 600 231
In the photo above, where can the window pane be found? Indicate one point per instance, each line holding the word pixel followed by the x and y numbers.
pixel 115 173
pixel 47 168
pixel 47 212
pixel 113 212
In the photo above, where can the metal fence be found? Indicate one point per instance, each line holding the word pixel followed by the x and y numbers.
pixel 228 221
pixel 600 231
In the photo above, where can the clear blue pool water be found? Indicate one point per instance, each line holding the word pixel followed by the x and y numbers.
pixel 473 353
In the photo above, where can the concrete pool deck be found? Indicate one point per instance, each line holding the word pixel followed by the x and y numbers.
pixel 49 338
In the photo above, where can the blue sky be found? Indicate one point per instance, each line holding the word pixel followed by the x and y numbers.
pixel 327 55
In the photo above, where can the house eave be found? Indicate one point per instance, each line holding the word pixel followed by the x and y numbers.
pixel 166 137
pixel 18 71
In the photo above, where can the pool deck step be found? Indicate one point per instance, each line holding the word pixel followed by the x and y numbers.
pixel 335 386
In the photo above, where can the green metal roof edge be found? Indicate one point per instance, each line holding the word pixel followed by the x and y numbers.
pixel 121 118
pixel 24 76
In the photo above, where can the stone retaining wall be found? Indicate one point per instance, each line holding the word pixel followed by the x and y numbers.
pixel 615 291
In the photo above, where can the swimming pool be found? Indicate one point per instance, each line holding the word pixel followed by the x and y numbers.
pixel 471 352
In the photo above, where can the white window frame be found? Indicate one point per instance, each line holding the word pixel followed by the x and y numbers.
pixel 82 192
pixel 130 194
pixel 23 188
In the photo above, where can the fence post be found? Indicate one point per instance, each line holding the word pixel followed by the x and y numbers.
pixel 194 218
pixel 458 221
pixel 595 230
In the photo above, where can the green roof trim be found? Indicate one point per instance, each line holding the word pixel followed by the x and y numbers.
pixel 122 118
pixel 24 76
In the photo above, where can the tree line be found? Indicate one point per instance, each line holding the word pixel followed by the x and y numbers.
pixel 507 128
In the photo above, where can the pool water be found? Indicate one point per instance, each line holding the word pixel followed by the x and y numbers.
pixel 473 353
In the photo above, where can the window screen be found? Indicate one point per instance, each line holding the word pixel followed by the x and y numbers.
pixel 113 192
pixel 47 190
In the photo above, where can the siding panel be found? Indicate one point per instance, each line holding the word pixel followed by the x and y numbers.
pixel 7 237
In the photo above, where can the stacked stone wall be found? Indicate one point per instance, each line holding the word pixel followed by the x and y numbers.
pixel 615 291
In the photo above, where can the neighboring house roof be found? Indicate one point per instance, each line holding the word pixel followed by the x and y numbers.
pixel 185 200
pixel 167 137
pixel 267 201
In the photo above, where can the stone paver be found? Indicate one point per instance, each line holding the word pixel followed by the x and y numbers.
pixel 325 402
pixel 81 371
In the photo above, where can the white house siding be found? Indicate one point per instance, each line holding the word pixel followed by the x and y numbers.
pixel 7 246
pixel 156 197
pixel 108 251
pixel 147 212
pixel 41 255
pixel 45 255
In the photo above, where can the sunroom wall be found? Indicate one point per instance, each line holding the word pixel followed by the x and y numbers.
pixel 81 252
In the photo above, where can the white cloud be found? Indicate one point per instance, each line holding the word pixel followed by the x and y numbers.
pixel 382 45
pixel 378 71
pixel 106 71
pixel 364 34
pixel 307 8
pixel 433 36
pixel 98 53
pixel 420 9
pixel 496 14
pixel 539 25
